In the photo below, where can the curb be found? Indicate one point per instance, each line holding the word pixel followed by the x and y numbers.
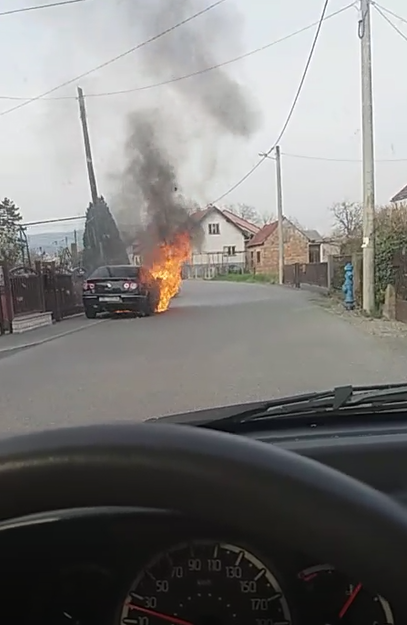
pixel 8 351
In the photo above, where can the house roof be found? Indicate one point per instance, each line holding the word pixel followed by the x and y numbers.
pixel 267 230
pixel 199 215
pixel 400 196
pixel 263 234
pixel 313 235
pixel 239 222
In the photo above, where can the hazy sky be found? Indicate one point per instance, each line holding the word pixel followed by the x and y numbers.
pixel 42 162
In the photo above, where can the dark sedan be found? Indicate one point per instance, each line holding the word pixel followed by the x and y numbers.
pixel 120 288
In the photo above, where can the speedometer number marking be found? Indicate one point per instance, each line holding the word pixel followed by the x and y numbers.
pixel 203 583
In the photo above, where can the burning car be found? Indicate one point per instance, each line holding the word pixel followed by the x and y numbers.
pixel 121 288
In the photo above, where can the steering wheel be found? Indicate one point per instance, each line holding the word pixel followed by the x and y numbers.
pixel 252 487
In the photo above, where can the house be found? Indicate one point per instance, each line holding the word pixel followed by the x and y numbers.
pixel 401 196
pixel 134 252
pixel 300 246
pixel 223 244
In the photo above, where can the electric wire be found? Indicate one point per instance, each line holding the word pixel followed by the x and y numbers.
pixel 114 59
pixel 388 20
pixel 290 113
pixel 198 72
pixel 40 6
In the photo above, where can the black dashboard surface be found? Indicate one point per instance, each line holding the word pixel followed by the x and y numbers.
pixel 374 452
pixel 79 567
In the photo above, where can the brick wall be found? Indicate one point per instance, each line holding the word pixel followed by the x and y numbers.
pixel 295 251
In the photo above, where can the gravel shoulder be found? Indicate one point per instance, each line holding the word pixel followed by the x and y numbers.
pixel 380 328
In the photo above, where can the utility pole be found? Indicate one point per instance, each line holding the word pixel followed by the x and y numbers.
pixel 368 159
pixel 91 171
pixel 88 151
pixel 280 217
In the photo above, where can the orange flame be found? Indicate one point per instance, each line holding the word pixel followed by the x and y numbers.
pixel 167 266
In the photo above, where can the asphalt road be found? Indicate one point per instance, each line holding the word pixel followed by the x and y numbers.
pixel 219 343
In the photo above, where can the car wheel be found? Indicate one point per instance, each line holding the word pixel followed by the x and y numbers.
pixel 149 307
pixel 90 313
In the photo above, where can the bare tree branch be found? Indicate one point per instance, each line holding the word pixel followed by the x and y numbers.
pixel 296 223
pixel 245 211
pixel 348 219
pixel 267 218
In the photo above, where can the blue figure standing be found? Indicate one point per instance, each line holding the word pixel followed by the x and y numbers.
pixel 347 287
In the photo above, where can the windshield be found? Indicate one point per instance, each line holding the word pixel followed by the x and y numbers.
pixel 184 223
pixel 124 271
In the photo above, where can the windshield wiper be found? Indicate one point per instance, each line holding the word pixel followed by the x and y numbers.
pixel 340 399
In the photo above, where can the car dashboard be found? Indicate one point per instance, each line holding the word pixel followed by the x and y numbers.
pixel 133 566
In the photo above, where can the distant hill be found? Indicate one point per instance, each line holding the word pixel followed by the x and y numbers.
pixel 50 242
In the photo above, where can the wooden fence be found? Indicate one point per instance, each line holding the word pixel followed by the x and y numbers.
pixel 43 288
pixel 328 276
pixel 312 274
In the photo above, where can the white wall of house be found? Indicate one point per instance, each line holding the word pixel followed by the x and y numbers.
pixel 329 249
pixel 222 243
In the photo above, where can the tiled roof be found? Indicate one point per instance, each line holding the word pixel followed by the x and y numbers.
pixel 400 196
pixel 241 223
pixel 263 234
pixel 199 215
pixel 312 235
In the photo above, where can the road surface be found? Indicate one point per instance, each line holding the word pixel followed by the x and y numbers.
pixel 219 343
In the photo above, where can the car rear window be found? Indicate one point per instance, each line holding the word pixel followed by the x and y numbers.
pixel 126 271
pixel 100 272
pixel 117 271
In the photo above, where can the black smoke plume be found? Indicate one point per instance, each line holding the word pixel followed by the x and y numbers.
pixel 199 111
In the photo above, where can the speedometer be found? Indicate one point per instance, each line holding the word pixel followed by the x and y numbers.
pixel 205 583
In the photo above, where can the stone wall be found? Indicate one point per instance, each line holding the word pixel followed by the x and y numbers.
pixel 295 251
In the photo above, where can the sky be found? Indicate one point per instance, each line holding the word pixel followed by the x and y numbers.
pixel 42 164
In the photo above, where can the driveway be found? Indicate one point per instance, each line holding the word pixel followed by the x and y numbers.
pixel 219 343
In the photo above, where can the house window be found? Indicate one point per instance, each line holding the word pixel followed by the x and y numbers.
pixel 258 257
pixel 229 250
pixel 314 253
pixel 213 228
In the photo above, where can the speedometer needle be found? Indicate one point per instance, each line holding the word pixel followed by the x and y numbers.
pixel 350 600
pixel 163 617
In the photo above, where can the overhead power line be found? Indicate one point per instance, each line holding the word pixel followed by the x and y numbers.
pixel 40 6
pixel 388 20
pixel 56 220
pixel 114 59
pixel 204 70
pixel 291 111
pixel 398 17
pixel 286 154
pixel 342 160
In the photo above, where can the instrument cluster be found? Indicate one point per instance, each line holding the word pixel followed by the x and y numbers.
pixel 205 582
pixel 149 568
